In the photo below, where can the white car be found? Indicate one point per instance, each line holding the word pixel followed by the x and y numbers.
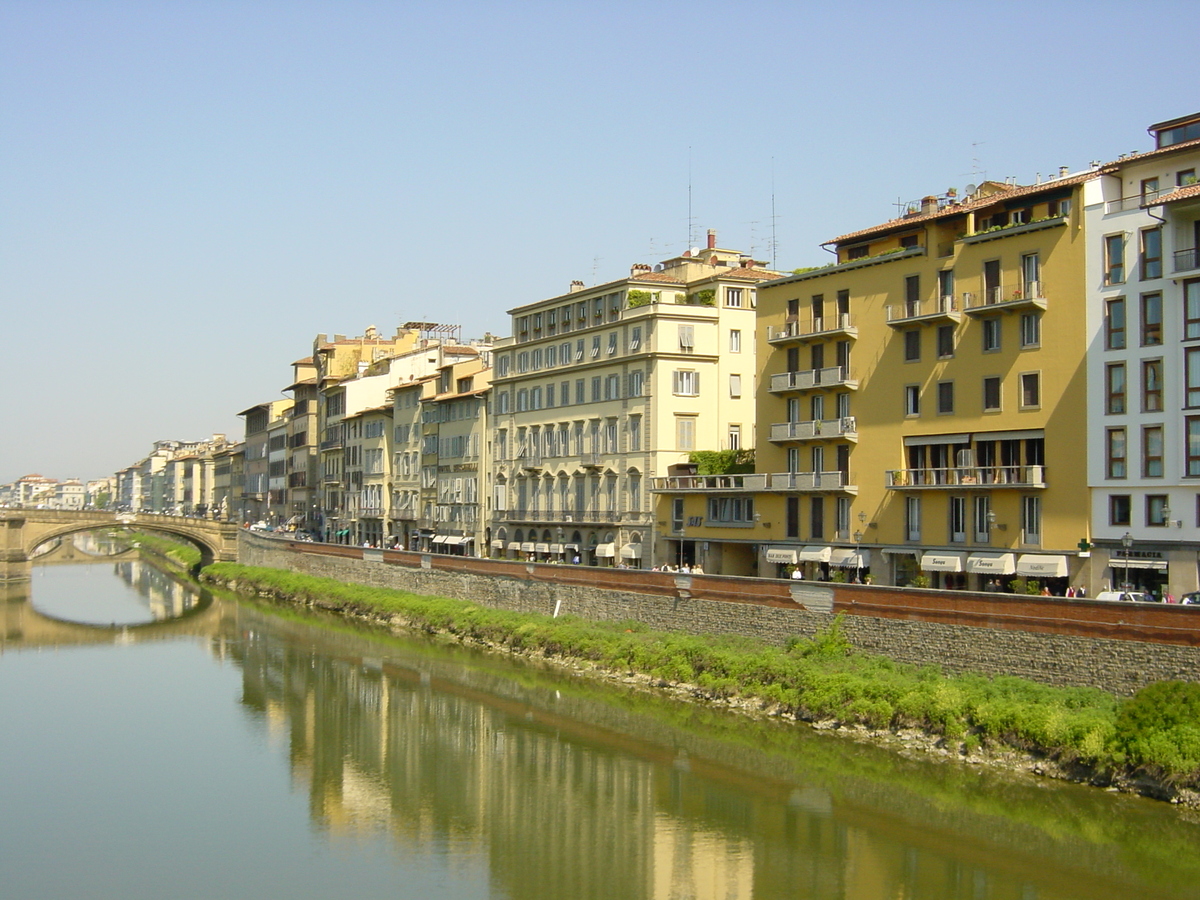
pixel 1127 596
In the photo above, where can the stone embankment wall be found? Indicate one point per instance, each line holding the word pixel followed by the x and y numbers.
pixel 1115 646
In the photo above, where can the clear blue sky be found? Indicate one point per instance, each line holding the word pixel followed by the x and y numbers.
pixel 191 191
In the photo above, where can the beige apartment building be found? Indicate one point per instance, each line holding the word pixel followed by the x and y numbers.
pixel 601 388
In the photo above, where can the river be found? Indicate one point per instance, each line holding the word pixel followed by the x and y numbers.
pixel 197 746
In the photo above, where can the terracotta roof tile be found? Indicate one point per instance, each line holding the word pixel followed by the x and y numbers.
pixel 1182 193
pixel 746 273
pixel 657 277
pixel 1148 154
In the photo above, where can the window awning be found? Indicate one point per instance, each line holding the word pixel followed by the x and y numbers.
pixel 992 563
pixel 438 539
pixel 850 559
pixel 1035 566
pixel 782 555
pixel 455 540
pixel 943 562
pixel 631 551
pixel 1160 564
pixel 606 549
pixel 497 545
pixel 513 545
pixel 527 547
pixel 924 440
pixel 814 553
pixel 541 548
pixel 556 548
pixel 570 546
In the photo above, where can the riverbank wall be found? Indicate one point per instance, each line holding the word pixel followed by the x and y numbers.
pixel 1118 647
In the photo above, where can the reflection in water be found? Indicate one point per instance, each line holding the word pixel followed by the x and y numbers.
pixel 86 594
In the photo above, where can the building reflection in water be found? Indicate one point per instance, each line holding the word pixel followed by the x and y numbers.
pixel 167 597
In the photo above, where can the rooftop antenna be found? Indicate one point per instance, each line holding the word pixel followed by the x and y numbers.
pixel 774 218
pixel 976 174
pixel 595 268
pixel 691 237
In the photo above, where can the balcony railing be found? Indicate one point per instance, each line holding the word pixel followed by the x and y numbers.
pixel 1186 260
pixel 816 430
pixel 968 477
pixel 1028 295
pixel 936 310
pixel 571 516
pixel 828 377
pixel 1137 201
pixel 590 460
pixel 529 461
pixel 813 327
pixel 767 481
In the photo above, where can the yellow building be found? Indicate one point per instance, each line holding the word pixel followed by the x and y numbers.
pixel 921 402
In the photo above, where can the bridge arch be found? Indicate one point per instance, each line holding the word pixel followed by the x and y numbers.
pixel 209 552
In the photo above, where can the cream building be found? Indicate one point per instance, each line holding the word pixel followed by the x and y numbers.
pixel 602 388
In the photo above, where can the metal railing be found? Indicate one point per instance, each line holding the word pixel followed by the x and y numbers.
pixel 1187 259
pixel 817 429
pixel 766 481
pixel 968 476
pixel 818 325
pixel 830 376
pixel 1026 292
pixel 923 309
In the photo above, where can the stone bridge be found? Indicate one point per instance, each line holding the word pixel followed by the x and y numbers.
pixel 22 531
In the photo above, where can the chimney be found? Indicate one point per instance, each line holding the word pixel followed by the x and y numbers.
pixel 638 269
pixel 576 286
pixel 1062 171
pixel 712 239
pixel 928 205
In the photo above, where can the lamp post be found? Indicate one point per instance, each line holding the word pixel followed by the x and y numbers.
pixel 858 536
pixel 991 522
pixel 1127 543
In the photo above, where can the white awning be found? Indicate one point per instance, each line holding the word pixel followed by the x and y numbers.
pixel 541 548
pixel 556 548
pixel 1138 563
pixel 438 539
pixel 497 545
pixel 455 540
pixel 570 546
pixel 606 549
pixel 900 551
pixel 814 553
pixel 631 551
pixel 992 563
pixel 925 440
pixel 513 545
pixel 527 547
pixel 850 559
pixel 942 562
pixel 783 555
pixel 1035 566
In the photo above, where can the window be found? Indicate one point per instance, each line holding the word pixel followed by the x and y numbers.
pixel 735 341
pixel 912 295
pixel 946 286
pixel 733 297
pixel 596 388
pixel 580 391
pixel 522 400
pixel 1156 510
pixel 816 519
pixel 735 386
pixel 1152 388
pixel 635 338
pixel 1119 508
pixel 523 362
pixel 945 341
pixel 1151 253
pixel 912 518
pixel 1031 390
pixel 1152 319
pixel 595 346
pixel 991 335
pixel 551 356
pixel 1185 177
pixel 1114 388
pixel 564 393
pixel 1114 259
pixel 983 528
pixel 912 345
pixel 612 343
pixel 686 383
pixel 1031 330
pixel 1114 323
pixel 1031 520
pixel 991 393
pixel 1192 447
pixel 636 383
pixel 731 509
pixel 687 338
pixel 579 350
pixel 1115 453
pixel 1031 270
pixel 1191 377
pixel 612 387
pixel 502 364
pixel 912 399
pixel 1152 451
pixel 1149 189
pixel 958 519
pixel 735 437
pixel 635 432
pixel 550 396
pixel 1191 309
pixel 945 397
pixel 859 252
pixel 685 432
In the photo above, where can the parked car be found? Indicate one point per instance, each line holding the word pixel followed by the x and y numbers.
pixel 1192 599
pixel 1128 596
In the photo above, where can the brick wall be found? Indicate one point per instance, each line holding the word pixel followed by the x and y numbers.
pixel 1115 646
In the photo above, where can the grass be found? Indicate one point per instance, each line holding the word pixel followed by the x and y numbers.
pixel 179 552
pixel 820 678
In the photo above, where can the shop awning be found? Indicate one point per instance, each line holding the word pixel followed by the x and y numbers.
pixel 497 545
pixel 438 539
pixel 541 548
pixel 455 540
pixel 815 553
pixel 992 563
pixel 513 545
pixel 570 546
pixel 1160 564
pixel 606 550
pixel 1035 566
pixel 943 562
pixel 783 555
pixel 527 547
pixel 631 551
pixel 556 548
pixel 850 559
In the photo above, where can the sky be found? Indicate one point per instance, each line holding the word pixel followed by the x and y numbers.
pixel 191 192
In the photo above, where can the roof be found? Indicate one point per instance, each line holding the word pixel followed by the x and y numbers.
pixel 747 273
pixel 1009 192
pixel 657 277
pixel 1150 154
pixel 1183 193
pixel 307 361
pixel 304 382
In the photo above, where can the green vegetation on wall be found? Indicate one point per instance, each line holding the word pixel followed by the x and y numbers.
pixel 722 462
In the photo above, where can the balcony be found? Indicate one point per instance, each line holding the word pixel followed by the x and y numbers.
pixel 924 312
pixel 332 443
pixel 813 379
pixel 968 478
pixel 590 460
pixel 1187 260
pixel 816 430
pixel 604 516
pixel 1028 296
pixel 840 325
pixel 1137 201
pixel 755 483
pixel 529 461
pixel 404 515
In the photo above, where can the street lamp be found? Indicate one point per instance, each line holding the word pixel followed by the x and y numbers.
pixel 1127 543
pixel 858 536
